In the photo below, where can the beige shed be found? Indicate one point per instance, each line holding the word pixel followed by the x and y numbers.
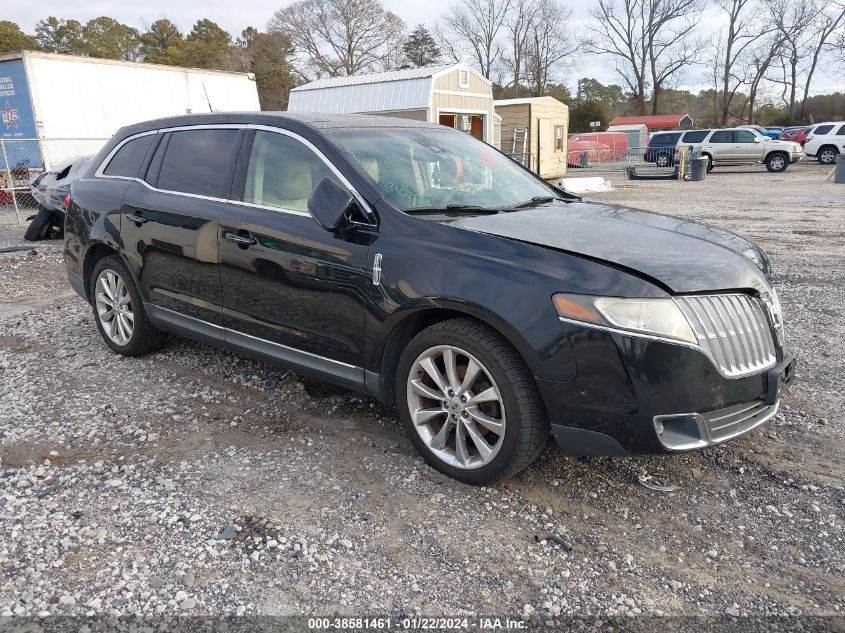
pixel 534 132
pixel 455 95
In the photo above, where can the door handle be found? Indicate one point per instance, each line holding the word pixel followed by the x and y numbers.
pixel 240 240
pixel 136 218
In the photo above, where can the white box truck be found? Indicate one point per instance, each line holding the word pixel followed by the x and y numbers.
pixel 46 96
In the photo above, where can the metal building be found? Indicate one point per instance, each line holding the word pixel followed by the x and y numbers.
pixel 455 95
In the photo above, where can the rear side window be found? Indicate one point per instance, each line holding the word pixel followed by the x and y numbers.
pixel 127 162
pixel 722 136
pixel 823 129
pixel 664 139
pixel 199 162
pixel 695 137
pixel 841 131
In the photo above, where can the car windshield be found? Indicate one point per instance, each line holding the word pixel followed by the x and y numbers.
pixel 430 168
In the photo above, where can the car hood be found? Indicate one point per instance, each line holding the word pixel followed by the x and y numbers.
pixel 681 255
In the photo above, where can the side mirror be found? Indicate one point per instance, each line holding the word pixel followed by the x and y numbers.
pixel 757 139
pixel 331 205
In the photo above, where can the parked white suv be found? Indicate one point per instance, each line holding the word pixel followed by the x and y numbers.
pixel 738 146
pixel 825 141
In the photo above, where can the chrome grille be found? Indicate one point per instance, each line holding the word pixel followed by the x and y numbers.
pixel 733 330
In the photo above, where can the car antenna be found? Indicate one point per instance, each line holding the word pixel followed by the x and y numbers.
pixel 210 109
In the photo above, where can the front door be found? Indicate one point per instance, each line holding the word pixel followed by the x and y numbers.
pixel 748 146
pixel 169 226
pixel 292 291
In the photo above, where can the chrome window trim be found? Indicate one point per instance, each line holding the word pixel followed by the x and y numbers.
pixel 99 173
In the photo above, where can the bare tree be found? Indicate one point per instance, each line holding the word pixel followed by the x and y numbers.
pixel 517 27
pixel 548 43
pixel 827 23
pixel 762 55
pixel 651 41
pixel 792 19
pixel 472 27
pixel 733 60
pixel 339 37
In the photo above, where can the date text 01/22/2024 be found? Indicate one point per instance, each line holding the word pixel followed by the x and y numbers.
pixel 418 623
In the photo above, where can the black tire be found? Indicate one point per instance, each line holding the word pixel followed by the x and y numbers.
pixel 709 162
pixel 827 154
pixel 40 225
pixel 145 337
pixel 777 162
pixel 527 428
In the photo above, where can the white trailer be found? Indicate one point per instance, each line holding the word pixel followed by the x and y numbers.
pixel 49 96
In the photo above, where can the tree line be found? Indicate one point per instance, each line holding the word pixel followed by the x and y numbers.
pixel 761 64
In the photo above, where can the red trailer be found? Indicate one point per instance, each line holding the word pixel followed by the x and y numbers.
pixel 616 141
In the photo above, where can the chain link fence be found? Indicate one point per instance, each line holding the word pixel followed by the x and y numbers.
pixel 22 160
pixel 642 159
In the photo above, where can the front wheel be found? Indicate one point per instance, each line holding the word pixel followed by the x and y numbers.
pixel 777 162
pixel 469 403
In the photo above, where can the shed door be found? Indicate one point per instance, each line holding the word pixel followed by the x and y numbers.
pixel 545 145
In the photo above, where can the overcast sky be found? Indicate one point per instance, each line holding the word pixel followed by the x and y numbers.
pixel 234 16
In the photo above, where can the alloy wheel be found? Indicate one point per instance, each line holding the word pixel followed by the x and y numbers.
pixel 777 163
pixel 662 161
pixel 114 307
pixel 827 156
pixel 456 407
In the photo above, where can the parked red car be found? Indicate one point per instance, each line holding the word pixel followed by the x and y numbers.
pixel 799 135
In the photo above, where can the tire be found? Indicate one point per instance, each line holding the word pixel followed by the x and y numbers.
pixel 777 162
pixel 40 225
pixel 512 402
pixel 709 162
pixel 827 155
pixel 143 336
pixel 662 161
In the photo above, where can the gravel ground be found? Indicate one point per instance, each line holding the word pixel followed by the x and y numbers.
pixel 194 481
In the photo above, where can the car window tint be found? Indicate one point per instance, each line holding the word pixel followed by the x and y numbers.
pixel 199 162
pixel 745 137
pixel 823 129
pixel 722 136
pixel 129 158
pixel 695 137
pixel 841 131
pixel 282 172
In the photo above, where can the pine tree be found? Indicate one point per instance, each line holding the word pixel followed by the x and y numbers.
pixel 420 48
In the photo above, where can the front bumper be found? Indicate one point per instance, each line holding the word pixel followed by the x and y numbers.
pixel 635 395
pixel 796 156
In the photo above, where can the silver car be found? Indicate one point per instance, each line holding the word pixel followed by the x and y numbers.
pixel 741 146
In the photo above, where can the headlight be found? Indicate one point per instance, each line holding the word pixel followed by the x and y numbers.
pixel 658 317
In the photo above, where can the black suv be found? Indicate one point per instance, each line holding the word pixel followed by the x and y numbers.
pixel 663 147
pixel 417 264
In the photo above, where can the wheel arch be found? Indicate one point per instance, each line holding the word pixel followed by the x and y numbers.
pixel 406 325
pixel 824 147
pixel 94 253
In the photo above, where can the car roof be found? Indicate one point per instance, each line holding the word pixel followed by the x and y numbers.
pixel 290 120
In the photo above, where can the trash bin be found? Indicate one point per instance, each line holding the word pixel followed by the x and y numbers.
pixel 698 168
pixel 839 176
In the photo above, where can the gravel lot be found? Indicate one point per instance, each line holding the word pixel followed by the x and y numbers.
pixel 194 481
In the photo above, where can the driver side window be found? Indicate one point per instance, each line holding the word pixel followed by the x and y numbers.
pixel 282 172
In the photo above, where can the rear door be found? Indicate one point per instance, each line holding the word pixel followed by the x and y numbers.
pixel 720 146
pixel 169 226
pixel 292 291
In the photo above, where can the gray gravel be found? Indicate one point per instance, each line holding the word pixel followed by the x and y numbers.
pixel 195 481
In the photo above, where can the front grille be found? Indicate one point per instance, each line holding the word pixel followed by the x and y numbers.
pixel 733 330
pixel 727 423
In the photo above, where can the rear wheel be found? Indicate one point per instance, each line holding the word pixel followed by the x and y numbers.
pixel 827 155
pixel 119 311
pixel 777 162
pixel 469 403
pixel 709 161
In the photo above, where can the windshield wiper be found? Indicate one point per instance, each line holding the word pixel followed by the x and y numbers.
pixel 535 201
pixel 452 208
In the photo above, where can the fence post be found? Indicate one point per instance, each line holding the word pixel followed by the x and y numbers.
pixel 9 180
